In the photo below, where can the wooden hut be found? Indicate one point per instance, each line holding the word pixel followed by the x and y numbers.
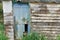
pixel 44 18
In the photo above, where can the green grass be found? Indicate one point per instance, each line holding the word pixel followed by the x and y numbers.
pixel 34 36
pixel 1 27
pixel 3 36
pixel 58 37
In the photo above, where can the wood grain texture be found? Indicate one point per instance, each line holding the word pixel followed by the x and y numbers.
pixel 45 18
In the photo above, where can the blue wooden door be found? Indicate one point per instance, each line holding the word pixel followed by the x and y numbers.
pixel 21 11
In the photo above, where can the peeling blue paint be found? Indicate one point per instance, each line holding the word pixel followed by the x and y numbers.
pixel 20 11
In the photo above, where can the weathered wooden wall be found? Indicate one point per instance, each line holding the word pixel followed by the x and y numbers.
pixel 45 1
pixel 45 18
pixel 8 19
pixel 57 1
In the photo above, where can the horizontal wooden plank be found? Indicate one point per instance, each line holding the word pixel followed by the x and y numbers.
pixel 46 14
pixel 5 22
pixel 45 20
pixel 8 14
pixel 46 26
pixel 45 10
pixel 48 32
pixel 39 18
pixel 7 17
pixel 8 20
pixel 43 28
